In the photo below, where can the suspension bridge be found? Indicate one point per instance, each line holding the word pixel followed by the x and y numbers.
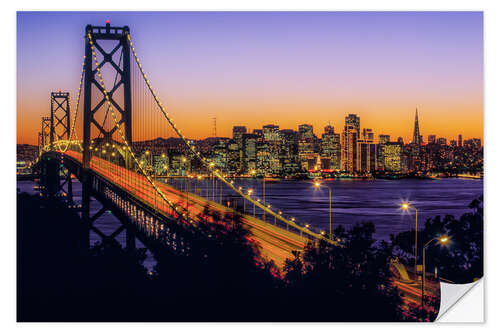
pixel 121 109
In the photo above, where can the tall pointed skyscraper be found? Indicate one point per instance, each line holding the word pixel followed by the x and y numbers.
pixel 417 139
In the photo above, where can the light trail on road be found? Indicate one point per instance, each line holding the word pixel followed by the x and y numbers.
pixel 275 243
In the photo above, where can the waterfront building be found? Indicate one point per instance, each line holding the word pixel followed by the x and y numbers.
pixel 392 157
pixel 219 153
pixel 306 141
pixel 160 164
pixel 263 159
pixel 250 142
pixel 349 148
pixel 330 148
pixel 233 157
pixel 366 153
pixel 238 132
pixel 382 140
pixel 288 153
pixel 179 164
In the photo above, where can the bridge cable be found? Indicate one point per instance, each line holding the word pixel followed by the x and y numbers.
pixel 210 165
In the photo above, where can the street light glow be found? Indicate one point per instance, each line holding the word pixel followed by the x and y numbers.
pixel 444 239
pixel 405 206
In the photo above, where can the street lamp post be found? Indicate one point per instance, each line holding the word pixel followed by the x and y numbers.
pixel 250 191
pixel 442 240
pixel 264 194
pixel 317 184
pixel 306 226
pixel 407 206
pixel 258 200
pixel 269 207
pixel 212 178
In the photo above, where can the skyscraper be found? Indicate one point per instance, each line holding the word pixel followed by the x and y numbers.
pixel 288 154
pixel 330 148
pixel 238 132
pixel 460 140
pixel 349 148
pixel 353 120
pixel 382 140
pixel 273 139
pixel 392 157
pixel 417 139
pixel 350 138
pixel 307 143
pixel 250 151
pixel 366 152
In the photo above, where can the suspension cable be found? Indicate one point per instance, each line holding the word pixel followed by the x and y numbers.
pixel 210 165
pixel 127 144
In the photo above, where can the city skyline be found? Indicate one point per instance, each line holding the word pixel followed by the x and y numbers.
pixel 253 69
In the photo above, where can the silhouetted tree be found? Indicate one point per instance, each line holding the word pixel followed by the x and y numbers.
pixel 354 276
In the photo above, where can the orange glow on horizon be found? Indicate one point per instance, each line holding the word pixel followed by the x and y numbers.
pixel 447 122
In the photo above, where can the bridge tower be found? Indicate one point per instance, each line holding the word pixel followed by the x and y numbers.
pixel 59 116
pixel 93 115
pixel 53 175
pixel 45 131
pixel 40 142
pixel 60 129
pixel 95 106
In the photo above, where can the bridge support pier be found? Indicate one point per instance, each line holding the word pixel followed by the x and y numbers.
pixel 53 177
pixel 130 239
pixel 85 223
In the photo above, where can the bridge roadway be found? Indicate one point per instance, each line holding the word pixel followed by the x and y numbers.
pixel 275 243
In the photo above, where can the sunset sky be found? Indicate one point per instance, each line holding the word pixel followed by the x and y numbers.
pixel 286 68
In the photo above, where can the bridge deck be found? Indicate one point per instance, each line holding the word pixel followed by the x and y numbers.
pixel 275 243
